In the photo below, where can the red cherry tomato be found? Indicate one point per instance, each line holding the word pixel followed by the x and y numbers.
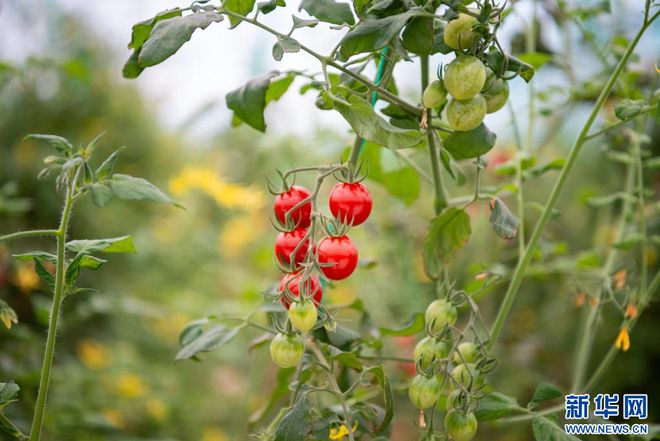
pixel 351 203
pixel 338 257
pixel 309 287
pixel 286 201
pixel 287 242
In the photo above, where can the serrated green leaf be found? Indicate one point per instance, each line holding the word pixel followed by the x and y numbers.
pixel 504 223
pixel 470 144
pixel 329 11
pixel 449 231
pixel 123 244
pixel 366 123
pixel 130 188
pixel 543 392
pixel 169 35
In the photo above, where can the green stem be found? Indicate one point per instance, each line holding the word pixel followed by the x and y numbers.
pixel 618 123
pixel 526 259
pixel 61 234
pixel 440 196
pixel 24 234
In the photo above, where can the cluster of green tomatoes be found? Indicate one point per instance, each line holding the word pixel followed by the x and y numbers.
pixel 449 373
pixel 335 257
pixel 474 88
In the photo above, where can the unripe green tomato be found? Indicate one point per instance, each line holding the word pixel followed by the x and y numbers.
pixel 287 350
pixel 464 115
pixel 496 92
pixel 424 391
pixel 452 399
pixel 468 350
pixel 429 349
pixel 303 315
pixel 459 33
pixel 434 95
pixel 439 314
pixel 465 77
pixel 460 426
pixel 463 373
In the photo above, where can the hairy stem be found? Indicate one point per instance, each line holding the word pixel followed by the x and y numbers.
pixel 24 234
pixel 61 234
pixel 526 259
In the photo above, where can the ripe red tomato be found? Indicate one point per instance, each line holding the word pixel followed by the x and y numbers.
pixel 287 242
pixel 286 201
pixel 338 257
pixel 350 203
pixel 309 287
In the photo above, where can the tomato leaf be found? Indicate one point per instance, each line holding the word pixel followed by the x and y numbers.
pixel 242 7
pixel 449 231
pixel 628 108
pixel 270 5
pixel 348 359
pixel 498 61
pixel 384 383
pixel 207 341
pixel 142 30
pixel 295 424
pixel 470 144
pixel 101 194
pixel 249 101
pixel 130 188
pixel 495 405
pixel 544 392
pixel 7 427
pixel 413 326
pixel 106 168
pixel 285 45
pixel 418 36
pixel 366 123
pixel 535 59
pixel 373 34
pixel 402 183
pixel 8 394
pixel 504 223
pixel 329 11
pixel 60 144
pixel 546 430
pixel 169 35
pixel 123 244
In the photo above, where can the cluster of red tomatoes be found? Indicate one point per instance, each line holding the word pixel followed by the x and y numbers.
pixel 335 255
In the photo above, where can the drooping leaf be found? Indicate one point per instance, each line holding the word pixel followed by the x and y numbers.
pixel 498 62
pixel 249 101
pixel 348 359
pixel 329 11
pixel 142 30
pixel 302 23
pixel 210 340
pixel 470 144
pixel 242 7
pixel 130 188
pixel 383 381
pixel 295 424
pixel 60 144
pixel 169 35
pixel 449 231
pixel 285 45
pixel 544 392
pixel 373 34
pixel 270 5
pixel 504 223
pixel 546 430
pixel 123 244
pixel 101 194
pixel 535 59
pixel 495 405
pixel 370 126
pixel 413 326
pixel 418 36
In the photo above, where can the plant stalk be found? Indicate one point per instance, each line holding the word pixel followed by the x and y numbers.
pixel 526 259
pixel 31 233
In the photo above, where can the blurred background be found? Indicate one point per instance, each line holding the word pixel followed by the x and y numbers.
pixel 115 377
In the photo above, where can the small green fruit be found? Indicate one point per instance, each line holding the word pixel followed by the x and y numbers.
pixel 439 314
pixel 466 374
pixel 459 33
pixel 434 95
pixel 465 77
pixel 429 349
pixel 460 426
pixel 496 92
pixel 424 391
pixel 287 350
pixel 303 315
pixel 465 353
pixel 464 115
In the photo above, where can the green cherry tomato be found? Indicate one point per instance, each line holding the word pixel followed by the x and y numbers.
pixel 434 95
pixel 465 77
pixel 439 314
pixel 464 373
pixel 287 350
pixel 460 426
pixel 466 353
pixel 424 391
pixel 303 315
pixel 496 92
pixel 459 33
pixel 429 349
pixel 464 115
pixel 453 400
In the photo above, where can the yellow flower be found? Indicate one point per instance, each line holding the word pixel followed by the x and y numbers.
pixel 156 409
pixel 237 233
pixel 340 432
pixel 114 418
pixel 25 278
pixel 92 354
pixel 131 386
pixel 623 339
pixel 225 194
pixel 214 434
